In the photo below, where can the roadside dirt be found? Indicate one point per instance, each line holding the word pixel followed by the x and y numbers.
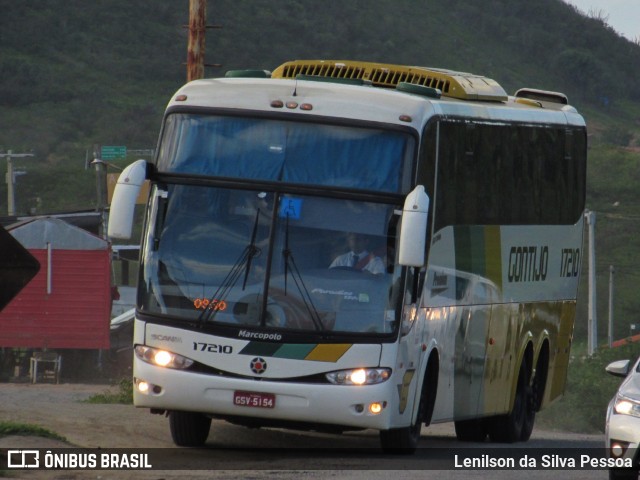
pixel 60 409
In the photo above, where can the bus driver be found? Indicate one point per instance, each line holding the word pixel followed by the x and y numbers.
pixel 358 257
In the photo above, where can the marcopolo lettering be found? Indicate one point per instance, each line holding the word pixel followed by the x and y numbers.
pixel 528 264
pixel 259 335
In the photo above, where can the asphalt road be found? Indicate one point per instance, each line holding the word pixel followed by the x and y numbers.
pixel 357 455
pixel 237 452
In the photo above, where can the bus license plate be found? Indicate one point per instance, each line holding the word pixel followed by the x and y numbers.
pixel 254 399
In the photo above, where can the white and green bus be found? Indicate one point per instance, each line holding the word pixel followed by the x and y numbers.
pixel 468 201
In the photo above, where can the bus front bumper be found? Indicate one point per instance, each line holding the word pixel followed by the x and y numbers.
pixel 368 406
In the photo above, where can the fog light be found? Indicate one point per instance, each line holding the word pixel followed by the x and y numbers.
pixel 617 450
pixel 143 387
pixel 375 408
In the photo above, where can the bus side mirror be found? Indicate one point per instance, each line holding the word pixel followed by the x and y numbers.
pixel 413 228
pixel 124 199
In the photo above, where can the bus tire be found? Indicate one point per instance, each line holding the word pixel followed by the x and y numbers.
pixel 401 440
pixel 189 429
pixel 405 440
pixel 529 413
pixel 471 430
pixel 509 428
pixel 535 393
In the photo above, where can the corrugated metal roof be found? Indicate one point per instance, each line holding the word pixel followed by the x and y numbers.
pixel 37 233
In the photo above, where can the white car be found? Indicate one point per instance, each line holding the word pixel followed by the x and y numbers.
pixel 622 432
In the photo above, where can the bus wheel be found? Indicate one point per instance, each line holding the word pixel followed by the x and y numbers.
pixel 471 430
pixel 401 440
pixel 530 406
pixel 509 428
pixel 404 440
pixel 189 429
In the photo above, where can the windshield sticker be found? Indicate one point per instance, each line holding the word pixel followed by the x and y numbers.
pixel 290 208
pixel 345 294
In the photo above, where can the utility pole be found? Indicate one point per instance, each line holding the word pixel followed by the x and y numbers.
pixel 101 190
pixel 196 44
pixel 11 179
pixel 197 33
pixel 610 330
pixel 592 327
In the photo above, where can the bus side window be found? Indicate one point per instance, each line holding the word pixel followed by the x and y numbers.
pixel 480 294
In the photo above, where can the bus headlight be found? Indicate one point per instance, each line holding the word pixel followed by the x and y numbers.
pixel 626 406
pixel 359 376
pixel 162 358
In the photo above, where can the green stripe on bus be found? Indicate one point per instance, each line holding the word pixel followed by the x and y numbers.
pixel 478 251
pixel 298 351
pixel 260 348
pixel 294 351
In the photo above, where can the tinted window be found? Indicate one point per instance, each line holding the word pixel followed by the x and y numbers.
pixel 502 174
pixel 303 153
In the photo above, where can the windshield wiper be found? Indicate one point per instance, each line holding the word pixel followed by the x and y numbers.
pixel 252 250
pixel 244 261
pixel 298 280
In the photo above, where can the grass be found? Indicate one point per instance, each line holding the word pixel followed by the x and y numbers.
pixel 123 395
pixel 25 429
pixel 588 392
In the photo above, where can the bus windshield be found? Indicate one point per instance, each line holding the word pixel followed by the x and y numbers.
pixel 270 260
pixel 285 151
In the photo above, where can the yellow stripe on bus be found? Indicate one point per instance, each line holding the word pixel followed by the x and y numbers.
pixel 328 352
pixel 493 256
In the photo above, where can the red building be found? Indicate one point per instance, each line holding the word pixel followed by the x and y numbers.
pixel 68 302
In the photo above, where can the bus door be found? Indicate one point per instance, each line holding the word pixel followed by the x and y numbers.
pixel 500 358
pixel 471 347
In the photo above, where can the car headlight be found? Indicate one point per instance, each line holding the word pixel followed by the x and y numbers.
pixel 359 376
pixel 162 358
pixel 626 406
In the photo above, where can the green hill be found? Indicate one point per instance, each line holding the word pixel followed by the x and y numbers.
pixel 74 74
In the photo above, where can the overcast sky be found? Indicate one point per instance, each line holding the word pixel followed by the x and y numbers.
pixel 624 15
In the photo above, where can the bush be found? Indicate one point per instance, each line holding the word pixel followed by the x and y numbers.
pixel 589 390
pixel 123 395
